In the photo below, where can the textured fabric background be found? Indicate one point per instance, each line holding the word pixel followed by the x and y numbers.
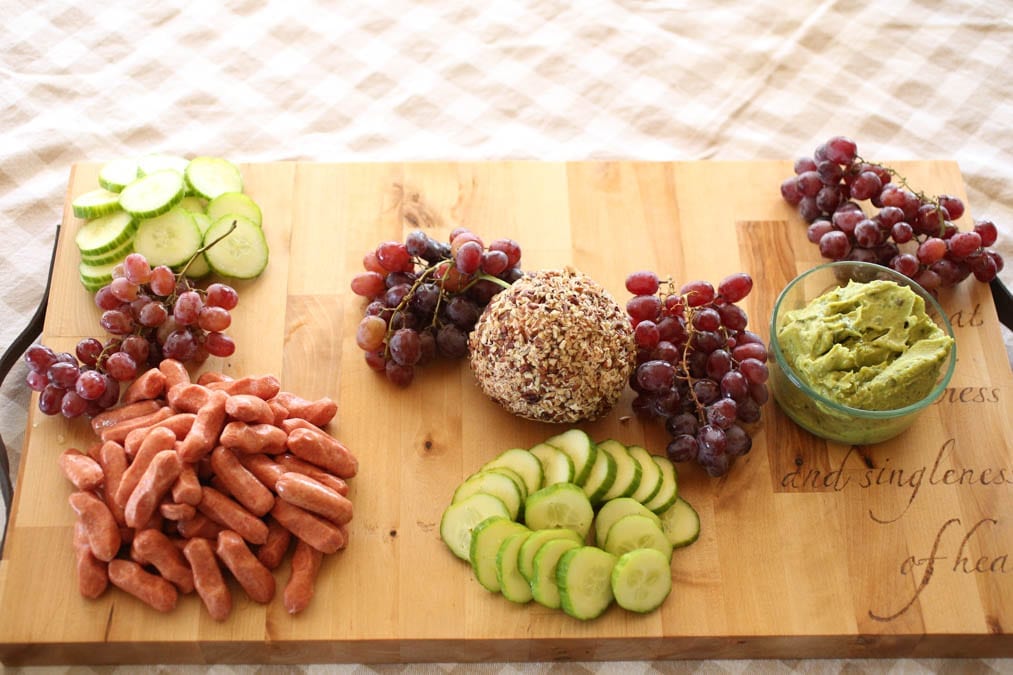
pixel 456 80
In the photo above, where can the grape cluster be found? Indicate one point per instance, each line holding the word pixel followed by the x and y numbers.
pixel 425 296
pixel 150 314
pixel 911 232
pixel 698 367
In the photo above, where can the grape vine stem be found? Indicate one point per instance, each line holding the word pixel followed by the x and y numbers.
pixel 684 361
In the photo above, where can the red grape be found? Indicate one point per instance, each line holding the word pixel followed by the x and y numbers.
pixel 222 295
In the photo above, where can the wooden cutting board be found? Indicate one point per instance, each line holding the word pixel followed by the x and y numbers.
pixel 808 548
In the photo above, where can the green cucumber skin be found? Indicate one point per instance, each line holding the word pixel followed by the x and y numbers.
pixel 572 601
pixel 654 561
pixel 224 256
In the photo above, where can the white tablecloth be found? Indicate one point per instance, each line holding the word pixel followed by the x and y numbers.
pixel 456 80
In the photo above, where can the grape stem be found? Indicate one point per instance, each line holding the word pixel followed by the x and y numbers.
pixel 441 280
pixel 202 249
pixel 922 196
pixel 690 330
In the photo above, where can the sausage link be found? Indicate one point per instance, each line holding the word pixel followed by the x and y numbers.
pixel 249 408
pixel 303 491
pixel 149 385
pixel 207 578
pixel 240 483
pixel 232 515
pixel 154 484
pixel 113 459
pixel 158 440
pixel 99 524
pixel 210 376
pixel 280 412
pixel 118 432
pixel 256 580
pixel 93 450
pixel 187 397
pixel 205 430
pixel 180 423
pixel 253 438
pixel 200 526
pixel 151 547
pixel 187 488
pixel 292 463
pixel 271 553
pixel 305 566
pixel 321 534
pixel 322 449
pixel 263 467
pixel 261 386
pixel 175 373
pixel 290 424
pixel 114 416
pixel 81 470
pixel 149 588
pixel 92 574
pixel 318 412
pixel 176 511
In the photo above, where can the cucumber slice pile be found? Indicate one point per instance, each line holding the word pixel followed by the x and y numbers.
pixel 523 522
pixel 160 197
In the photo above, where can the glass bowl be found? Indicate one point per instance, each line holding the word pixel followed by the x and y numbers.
pixel 818 413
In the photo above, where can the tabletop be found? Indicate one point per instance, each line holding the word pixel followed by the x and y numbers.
pixel 407 81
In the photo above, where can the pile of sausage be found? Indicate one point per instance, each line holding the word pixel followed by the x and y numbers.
pixel 192 478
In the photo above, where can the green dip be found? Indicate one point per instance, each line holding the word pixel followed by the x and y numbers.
pixel 866 345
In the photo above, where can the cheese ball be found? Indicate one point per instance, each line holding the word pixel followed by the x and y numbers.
pixel 554 347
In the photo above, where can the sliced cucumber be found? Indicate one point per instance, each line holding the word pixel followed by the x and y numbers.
pixel 117 174
pixel 523 463
pixel 495 483
pixel 615 509
pixel 637 531
pixel 512 583
pixel 601 477
pixel 665 496
pixel 584 578
pixel 518 480
pixel 650 478
pixel 92 286
pixel 95 203
pixel 559 505
pixel 557 467
pixel 544 589
pixel 581 450
pixel 210 177
pixel 526 556
pixel 154 194
pixel 149 164
pixel 114 256
pixel 628 471
pixel 641 580
pixel 242 253
pixel 199 268
pixel 486 539
pixel 681 523
pixel 169 239
pixel 234 204
pixel 108 233
pixel 460 519
pixel 195 205
pixel 92 275
pixel 202 220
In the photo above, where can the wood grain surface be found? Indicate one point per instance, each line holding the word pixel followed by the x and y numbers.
pixel 808 548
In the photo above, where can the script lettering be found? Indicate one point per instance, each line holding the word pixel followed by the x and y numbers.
pixel 973 320
pixel 963 563
pixel 956 395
